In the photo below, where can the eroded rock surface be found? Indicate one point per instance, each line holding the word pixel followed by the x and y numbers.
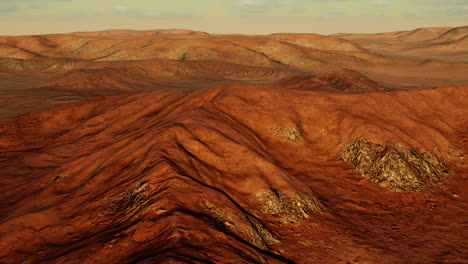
pixel 199 176
pixel 396 167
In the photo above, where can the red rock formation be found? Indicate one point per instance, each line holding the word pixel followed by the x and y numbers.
pixel 233 174
pixel 344 80
pixel 299 161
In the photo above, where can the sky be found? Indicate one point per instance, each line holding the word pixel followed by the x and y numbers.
pixel 25 17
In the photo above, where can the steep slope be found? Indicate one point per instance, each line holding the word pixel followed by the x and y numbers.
pixel 233 174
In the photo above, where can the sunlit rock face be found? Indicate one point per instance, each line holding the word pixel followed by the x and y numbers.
pixel 396 167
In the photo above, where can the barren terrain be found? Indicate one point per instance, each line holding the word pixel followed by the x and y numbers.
pixel 445 44
pixel 179 146
pixel 71 67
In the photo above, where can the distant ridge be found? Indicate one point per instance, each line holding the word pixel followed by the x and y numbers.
pixel 423 34
pixel 440 43
pixel 138 33
pixel 457 33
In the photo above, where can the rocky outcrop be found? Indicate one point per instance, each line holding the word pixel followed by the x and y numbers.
pixel 396 167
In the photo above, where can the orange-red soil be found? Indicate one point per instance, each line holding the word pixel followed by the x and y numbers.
pixel 200 165
pixel 228 149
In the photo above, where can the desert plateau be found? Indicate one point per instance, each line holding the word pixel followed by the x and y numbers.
pixel 182 146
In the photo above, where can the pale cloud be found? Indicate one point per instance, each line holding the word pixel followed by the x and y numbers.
pixel 262 6
pixel 65 16
pixel 443 8
pixel 333 13
pixel 380 3
pixel 151 14
pixel 11 6
pixel 445 2
pixel 439 9
pixel 258 10
pixel 289 9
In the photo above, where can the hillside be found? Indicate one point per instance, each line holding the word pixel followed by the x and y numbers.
pixel 344 80
pixel 446 44
pixel 181 146
pixel 304 52
pixel 239 173
pixel 42 71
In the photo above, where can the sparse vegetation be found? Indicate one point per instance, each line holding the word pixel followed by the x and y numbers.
pixel 396 167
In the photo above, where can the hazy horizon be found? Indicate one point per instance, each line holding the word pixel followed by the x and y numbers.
pixel 31 17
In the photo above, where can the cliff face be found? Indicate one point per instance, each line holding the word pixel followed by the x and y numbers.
pixel 239 173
